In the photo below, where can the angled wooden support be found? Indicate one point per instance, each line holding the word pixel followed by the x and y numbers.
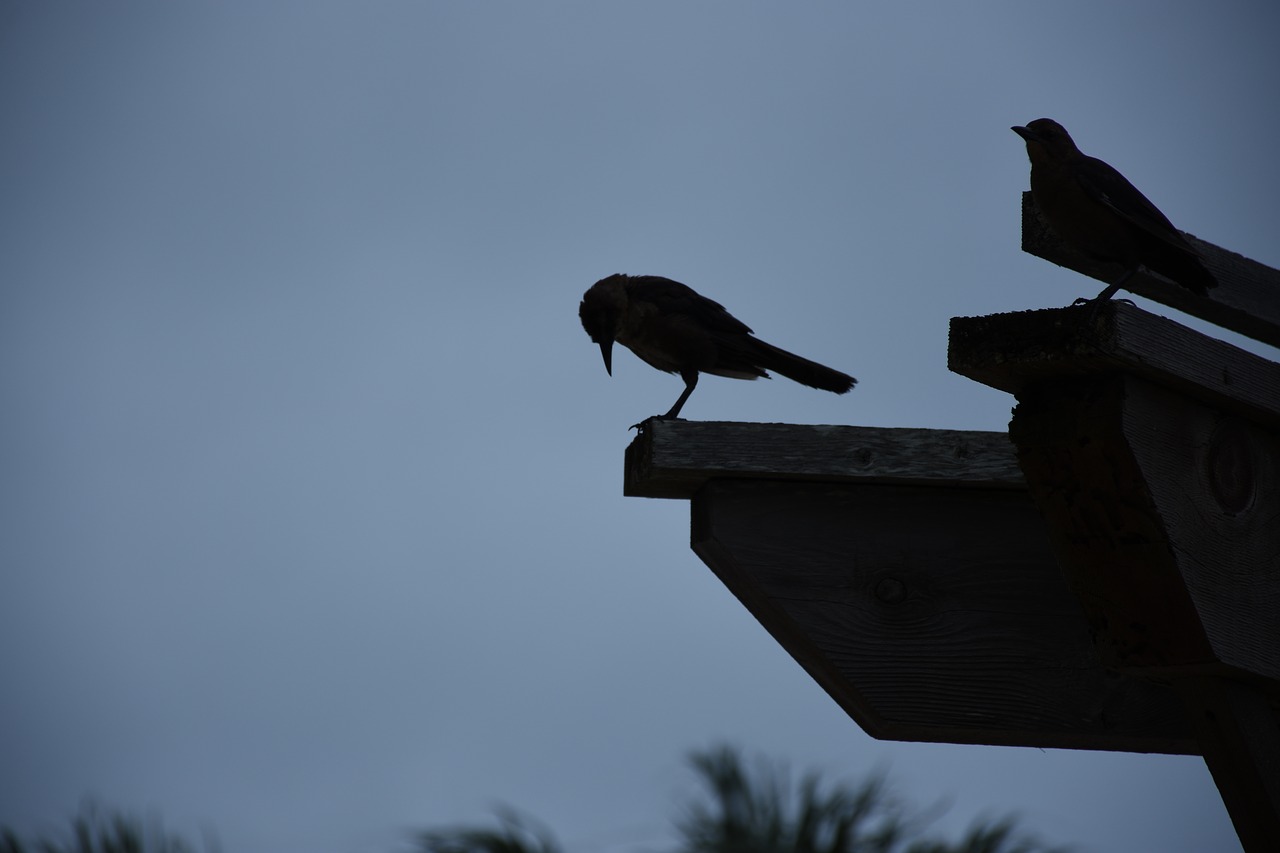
pixel 1153 454
pixel 909 572
pixel 1240 738
pixel 1151 449
pixel 1246 300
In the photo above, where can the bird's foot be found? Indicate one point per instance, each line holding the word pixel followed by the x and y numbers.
pixel 640 426
pixel 1097 302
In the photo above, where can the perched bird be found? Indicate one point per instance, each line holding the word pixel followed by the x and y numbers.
pixel 674 329
pixel 1095 209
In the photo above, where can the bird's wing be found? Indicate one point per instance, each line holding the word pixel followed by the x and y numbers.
pixel 1108 187
pixel 672 298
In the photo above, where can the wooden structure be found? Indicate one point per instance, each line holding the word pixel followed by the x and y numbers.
pixel 1106 576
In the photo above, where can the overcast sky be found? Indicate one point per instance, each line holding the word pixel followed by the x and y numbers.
pixel 311 522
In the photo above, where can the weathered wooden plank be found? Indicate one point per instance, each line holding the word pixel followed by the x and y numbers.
pixel 1012 351
pixel 673 459
pixel 929 614
pixel 1246 300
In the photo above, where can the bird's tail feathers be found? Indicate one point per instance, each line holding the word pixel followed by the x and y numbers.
pixel 802 370
pixel 1178 260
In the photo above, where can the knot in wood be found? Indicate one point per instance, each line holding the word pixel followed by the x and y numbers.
pixel 1230 467
pixel 891 591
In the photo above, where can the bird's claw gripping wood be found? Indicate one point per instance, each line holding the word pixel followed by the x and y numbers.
pixel 640 427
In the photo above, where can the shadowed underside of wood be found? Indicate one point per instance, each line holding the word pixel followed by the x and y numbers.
pixel 966 634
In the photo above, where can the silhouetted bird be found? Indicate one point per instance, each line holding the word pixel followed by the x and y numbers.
pixel 1095 209
pixel 675 330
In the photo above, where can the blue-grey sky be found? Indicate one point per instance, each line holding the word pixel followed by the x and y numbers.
pixel 311 520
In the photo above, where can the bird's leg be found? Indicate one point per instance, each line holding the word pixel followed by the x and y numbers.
pixel 690 378
pixel 1111 289
pixel 1105 296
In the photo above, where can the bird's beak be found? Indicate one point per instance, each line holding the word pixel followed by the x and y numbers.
pixel 606 350
pixel 1025 133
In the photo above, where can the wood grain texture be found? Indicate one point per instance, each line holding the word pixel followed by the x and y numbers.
pixel 1214 481
pixel 673 459
pixel 928 613
pixel 1246 300
pixel 1013 351
pixel 1105 525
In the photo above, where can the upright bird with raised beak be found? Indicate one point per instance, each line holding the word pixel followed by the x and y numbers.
pixel 1094 208
pixel 671 327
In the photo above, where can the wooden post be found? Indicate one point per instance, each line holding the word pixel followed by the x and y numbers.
pixel 1153 454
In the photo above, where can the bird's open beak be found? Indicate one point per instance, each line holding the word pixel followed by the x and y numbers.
pixel 1025 133
pixel 606 350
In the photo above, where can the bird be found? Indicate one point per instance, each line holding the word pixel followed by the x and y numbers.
pixel 672 327
pixel 1095 209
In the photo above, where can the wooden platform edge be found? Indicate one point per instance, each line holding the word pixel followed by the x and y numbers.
pixel 675 458
pixel 1008 351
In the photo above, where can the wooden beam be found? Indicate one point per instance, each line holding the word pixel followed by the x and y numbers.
pixel 1246 300
pixel 1240 733
pixel 673 459
pixel 1016 350
pixel 928 614
pixel 908 571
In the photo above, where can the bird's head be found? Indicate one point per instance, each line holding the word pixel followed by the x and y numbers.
pixel 1047 141
pixel 602 310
